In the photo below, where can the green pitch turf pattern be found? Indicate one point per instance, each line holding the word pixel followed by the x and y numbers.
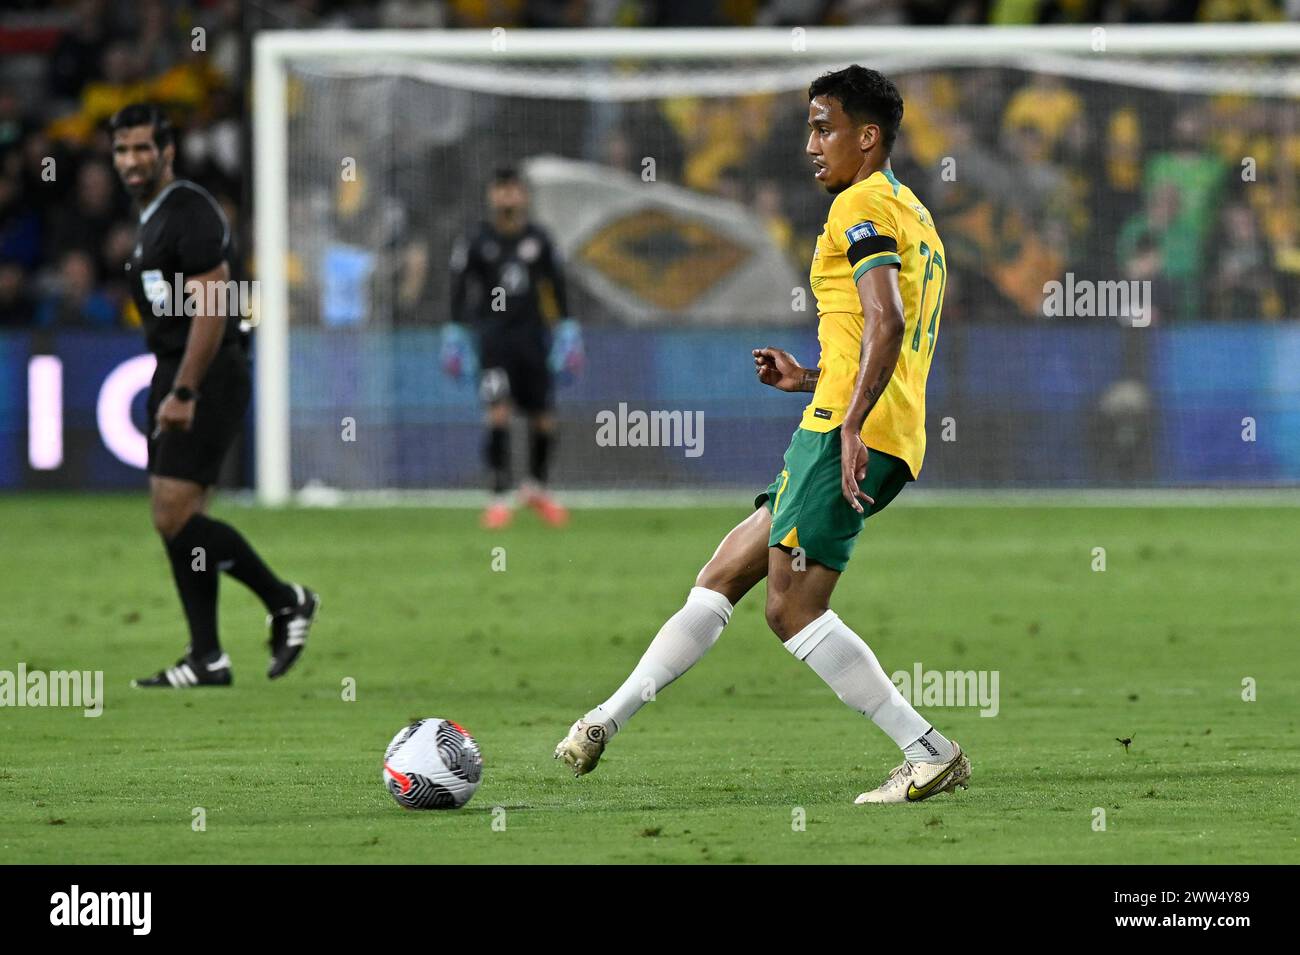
pixel 1156 648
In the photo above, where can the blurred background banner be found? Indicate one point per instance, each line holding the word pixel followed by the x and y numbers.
pixel 659 254
pixel 1015 408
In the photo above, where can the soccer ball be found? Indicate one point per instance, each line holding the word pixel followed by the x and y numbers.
pixel 432 764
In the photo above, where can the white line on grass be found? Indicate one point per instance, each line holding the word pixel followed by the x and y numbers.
pixel 742 498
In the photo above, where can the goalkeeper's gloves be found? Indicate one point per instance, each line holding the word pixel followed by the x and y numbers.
pixel 456 353
pixel 567 356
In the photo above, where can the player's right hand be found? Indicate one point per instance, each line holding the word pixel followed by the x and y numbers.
pixel 778 368
pixel 174 415
pixel 853 468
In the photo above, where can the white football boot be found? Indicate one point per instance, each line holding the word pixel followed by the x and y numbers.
pixel 581 749
pixel 913 782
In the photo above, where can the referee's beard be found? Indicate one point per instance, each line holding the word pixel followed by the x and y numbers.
pixel 149 185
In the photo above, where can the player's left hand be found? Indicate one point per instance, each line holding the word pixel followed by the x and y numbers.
pixel 778 368
pixel 175 415
pixel 853 468
pixel 456 352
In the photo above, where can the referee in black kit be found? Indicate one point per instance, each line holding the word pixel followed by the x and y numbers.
pixel 197 401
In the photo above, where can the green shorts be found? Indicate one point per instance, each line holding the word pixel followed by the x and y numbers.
pixel 808 510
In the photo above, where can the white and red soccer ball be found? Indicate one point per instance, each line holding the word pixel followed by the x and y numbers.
pixel 432 764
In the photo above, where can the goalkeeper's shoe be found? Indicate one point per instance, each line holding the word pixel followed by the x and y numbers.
pixel 581 749
pixel 913 782
pixel 289 630
pixel 496 516
pixel 189 672
pixel 548 508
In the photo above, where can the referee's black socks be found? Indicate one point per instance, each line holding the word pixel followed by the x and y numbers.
pixel 226 549
pixel 196 578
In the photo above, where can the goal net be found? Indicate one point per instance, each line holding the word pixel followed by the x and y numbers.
pixel 1119 208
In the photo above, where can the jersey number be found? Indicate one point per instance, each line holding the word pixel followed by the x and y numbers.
pixel 933 263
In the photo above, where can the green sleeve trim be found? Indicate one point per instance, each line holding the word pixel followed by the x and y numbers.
pixel 867 264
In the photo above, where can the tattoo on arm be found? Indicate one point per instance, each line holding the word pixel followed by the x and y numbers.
pixel 875 390
pixel 810 376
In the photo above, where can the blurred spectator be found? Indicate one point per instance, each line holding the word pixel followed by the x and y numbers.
pixel 83 223
pixel 73 301
pixel 1244 286
pixel 16 308
pixel 1147 241
pixel 76 58
pixel 768 205
pixel 1195 177
pixel 20 220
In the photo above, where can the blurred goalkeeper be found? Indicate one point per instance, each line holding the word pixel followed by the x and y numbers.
pixel 507 319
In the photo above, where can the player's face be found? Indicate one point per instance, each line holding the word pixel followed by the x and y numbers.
pixel 508 199
pixel 137 160
pixel 835 143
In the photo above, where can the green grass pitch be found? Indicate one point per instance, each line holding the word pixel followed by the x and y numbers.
pixel 1191 603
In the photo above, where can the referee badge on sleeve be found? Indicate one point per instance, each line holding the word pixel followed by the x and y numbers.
pixel 156 289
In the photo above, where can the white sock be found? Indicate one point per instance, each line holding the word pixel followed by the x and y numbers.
pixel 846 663
pixel 682 640
pixel 930 747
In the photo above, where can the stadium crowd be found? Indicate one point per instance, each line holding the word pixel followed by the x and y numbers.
pixel 1029 175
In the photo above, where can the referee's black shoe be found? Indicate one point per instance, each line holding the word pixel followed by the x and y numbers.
pixel 289 630
pixel 188 672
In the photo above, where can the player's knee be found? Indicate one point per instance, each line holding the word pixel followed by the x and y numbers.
pixel 165 522
pixel 723 580
pixel 170 515
pixel 779 614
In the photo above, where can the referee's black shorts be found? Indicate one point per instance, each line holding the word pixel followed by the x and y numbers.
pixel 196 455
pixel 514 367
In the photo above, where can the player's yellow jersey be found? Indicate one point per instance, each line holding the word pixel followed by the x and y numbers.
pixel 877 222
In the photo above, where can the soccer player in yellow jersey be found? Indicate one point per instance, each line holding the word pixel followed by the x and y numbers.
pixel 879 275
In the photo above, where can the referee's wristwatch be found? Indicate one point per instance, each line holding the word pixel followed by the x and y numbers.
pixel 184 393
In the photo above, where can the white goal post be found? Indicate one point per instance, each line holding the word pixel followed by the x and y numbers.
pixel 275 51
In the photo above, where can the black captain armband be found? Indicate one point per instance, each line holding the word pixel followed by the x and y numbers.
pixel 871 245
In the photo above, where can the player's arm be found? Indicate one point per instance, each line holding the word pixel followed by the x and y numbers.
pixel 202 345
pixel 554 272
pixel 883 323
pixel 568 354
pixel 456 352
pixel 460 269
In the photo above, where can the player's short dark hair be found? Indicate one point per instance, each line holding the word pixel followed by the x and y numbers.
pixel 504 175
pixel 867 96
pixel 145 114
